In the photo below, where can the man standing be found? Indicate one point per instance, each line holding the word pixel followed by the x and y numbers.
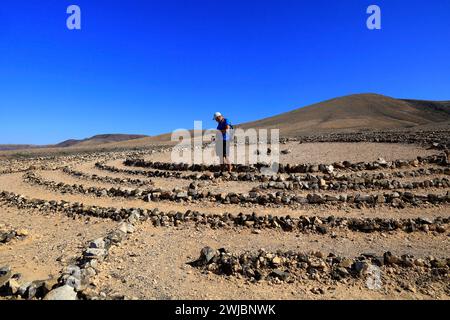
pixel 224 126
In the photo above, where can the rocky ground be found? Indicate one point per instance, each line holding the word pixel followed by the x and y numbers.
pixel 341 220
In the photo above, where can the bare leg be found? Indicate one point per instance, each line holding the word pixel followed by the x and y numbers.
pixel 227 164
pixel 223 163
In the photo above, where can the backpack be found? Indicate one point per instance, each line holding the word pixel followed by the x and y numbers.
pixel 231 126
pixel 231 133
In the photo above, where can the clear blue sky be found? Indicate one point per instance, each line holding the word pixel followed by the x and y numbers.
pixel 152 66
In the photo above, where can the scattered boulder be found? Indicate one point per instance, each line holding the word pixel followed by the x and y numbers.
pixel 5 275
pixel 126 227
pixel 207 254
pixel 65 292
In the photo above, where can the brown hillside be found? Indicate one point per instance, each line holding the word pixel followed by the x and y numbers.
pixel 356 112
pixel 99 139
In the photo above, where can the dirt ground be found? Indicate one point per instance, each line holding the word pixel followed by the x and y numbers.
pixel 53 240
pixel 315 153
pixel 152 262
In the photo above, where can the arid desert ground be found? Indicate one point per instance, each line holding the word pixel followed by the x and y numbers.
pixel 352 219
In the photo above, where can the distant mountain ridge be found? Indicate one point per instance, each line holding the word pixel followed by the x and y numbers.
pixel 92 141
pixel 358 112
pixel 99 139
pixel 7 147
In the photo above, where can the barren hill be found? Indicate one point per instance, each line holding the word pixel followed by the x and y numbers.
pixel 357 112
pixel 99 139
pixel 92 141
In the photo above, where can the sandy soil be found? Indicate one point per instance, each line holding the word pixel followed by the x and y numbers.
pixel 51 238
pixel 316 153
pixel 152 264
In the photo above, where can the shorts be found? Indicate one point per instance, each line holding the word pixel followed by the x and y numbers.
pixel 226 149
pixel 223 151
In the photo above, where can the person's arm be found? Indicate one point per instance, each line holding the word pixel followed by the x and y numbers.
pixel 227 127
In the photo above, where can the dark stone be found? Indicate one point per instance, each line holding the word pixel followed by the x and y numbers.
pixel 207 254
pixel 360 266
pixel 282 275
pixel 7 236
pixel 389 258
pixel 321 229
pixel 5 275
pixel 36 289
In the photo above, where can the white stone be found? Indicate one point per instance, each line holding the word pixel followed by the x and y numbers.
pixel 65 292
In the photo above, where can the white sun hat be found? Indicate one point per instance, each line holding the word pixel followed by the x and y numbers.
pixel 216 115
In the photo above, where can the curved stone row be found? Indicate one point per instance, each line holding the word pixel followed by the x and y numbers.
pixel 438 139
pixel 292 266
pixel 76 280
pixel 252 177
pixel 362 177
pixel 32 178
pixel 386 175
pixel 355 184
pixel 80 276
pixel 394 199
pixel 305 224
pixel 71 209
pixel 47 162
pixel 13 286
pixel 156 174
pixel 168 166
pixel 106 179
pixel 12 170
pixel 440 159
pixel 21 163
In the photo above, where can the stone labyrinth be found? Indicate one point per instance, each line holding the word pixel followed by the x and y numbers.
pixel 122 225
